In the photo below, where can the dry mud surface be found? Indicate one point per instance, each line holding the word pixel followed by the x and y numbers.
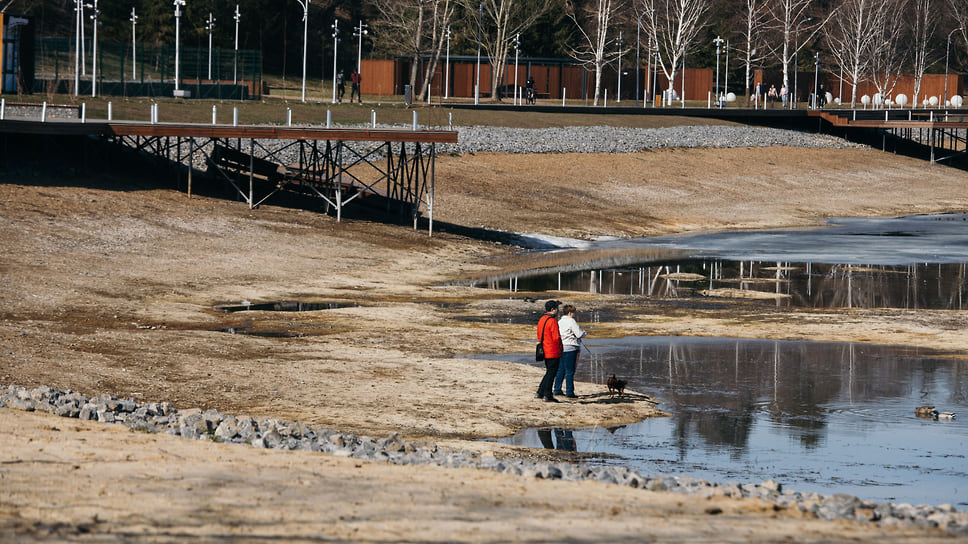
pixel 110 286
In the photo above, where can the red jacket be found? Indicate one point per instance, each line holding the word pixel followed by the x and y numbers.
pixel 552 337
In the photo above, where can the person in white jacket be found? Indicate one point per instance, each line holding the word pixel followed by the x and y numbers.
pixel 571 335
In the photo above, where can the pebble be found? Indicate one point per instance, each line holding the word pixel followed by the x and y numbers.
pixel 267 433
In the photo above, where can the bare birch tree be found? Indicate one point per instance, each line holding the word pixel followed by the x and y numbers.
pixel 418 27
pixel 787 18
pixel 887 59
pixel 594 22
pixel 851 36
pixel 502 21
pixel 755 44
pixel 673 25
pixel 923 20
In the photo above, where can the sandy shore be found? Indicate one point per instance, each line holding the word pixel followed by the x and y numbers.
pixel 111 287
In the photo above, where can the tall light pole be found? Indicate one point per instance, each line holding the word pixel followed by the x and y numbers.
pixel 477 85
pixel 359 32
pixel 719 42
pixel 796 61
pixel 726 69
pixel 94 14
pixel 618 95
pixel 655 71
pixel 77 45
pixel 134 46
pixel 335 55
pixel 946 54
pixel 235 69
pixel 305 6
pixel 816 71
pixel 447 72
pixel 517 49
pixel 178 13
pixel 210 25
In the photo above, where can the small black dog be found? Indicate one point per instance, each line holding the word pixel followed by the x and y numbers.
pixel 615 386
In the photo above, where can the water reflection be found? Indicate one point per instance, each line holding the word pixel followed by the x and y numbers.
pixel 826 417
pixel 811 285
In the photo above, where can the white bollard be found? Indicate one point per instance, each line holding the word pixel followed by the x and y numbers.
pixel 415 119
pixel 3 108
pixel 372 118
pixel 450 120
pixel 83 112
pixel 43 113
pixel 329 119
pixel 563 94
pixel 214 114
pixel 235 117
pixel 110 111
pixel 288 117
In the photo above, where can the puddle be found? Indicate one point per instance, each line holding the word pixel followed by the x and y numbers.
pixel 823 417
pixel 783 284
pixel 285 306
pixel 264 334
pixel 523 318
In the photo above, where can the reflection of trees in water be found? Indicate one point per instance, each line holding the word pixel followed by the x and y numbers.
pixel 716 386
pixel 939 286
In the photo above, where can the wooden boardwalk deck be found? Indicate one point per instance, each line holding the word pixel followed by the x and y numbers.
pixel 338 165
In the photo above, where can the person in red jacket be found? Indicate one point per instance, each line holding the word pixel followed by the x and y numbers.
pixel 550 338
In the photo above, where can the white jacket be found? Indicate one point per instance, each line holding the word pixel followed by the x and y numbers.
pixel 571 333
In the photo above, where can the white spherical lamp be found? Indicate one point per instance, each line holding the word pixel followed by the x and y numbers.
pixel 901 99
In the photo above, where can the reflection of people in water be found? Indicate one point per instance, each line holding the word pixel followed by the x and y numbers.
pixel 563 439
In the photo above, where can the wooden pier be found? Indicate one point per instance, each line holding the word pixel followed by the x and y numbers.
pixel 940 135
pixel 391 167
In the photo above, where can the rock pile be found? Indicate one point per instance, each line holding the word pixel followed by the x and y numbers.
pixel 277 434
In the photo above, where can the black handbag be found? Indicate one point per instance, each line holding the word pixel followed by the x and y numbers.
pixel 539 349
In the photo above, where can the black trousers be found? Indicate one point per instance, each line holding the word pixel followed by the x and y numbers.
pixel 548 381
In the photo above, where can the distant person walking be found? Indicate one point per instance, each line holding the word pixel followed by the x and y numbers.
pixel 340 86
pixel 571 335
pixel 356 79
pixel 550 338
pixel 784 94
pixel 772 96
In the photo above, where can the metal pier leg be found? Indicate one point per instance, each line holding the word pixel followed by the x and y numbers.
pixel 251 172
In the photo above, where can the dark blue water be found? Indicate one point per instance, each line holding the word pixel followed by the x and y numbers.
pixel 824 417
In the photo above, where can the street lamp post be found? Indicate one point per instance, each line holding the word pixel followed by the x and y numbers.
pixel 719 42
pixel 655 71
pixel 796 61
pixel 359 32
pixel 94 14
pixel 77 45
pixel 816 71
pixel 946 54
pixel 210 26
pixel 618 95
pixel 134 46
pixel 517 48
pixel 235 68
pixel 447 68
pixel 477 84
pixel 335 54
pixel 305 6
pixel 178 14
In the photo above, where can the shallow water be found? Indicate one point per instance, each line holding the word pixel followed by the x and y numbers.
pixel 824 417
pixel 913 262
